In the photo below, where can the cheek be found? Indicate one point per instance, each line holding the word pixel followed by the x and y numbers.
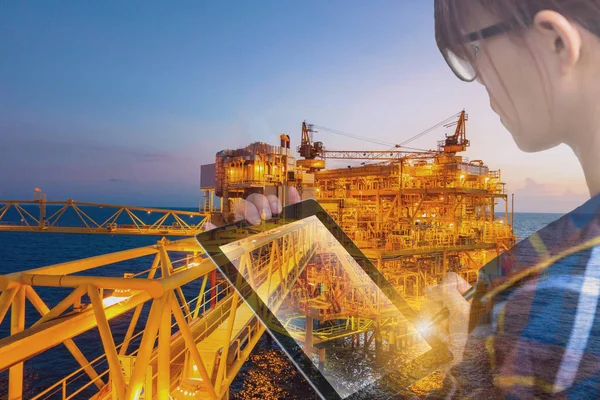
pixel 516 95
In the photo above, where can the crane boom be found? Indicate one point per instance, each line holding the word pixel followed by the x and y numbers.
pixel 382 155
pixel 314 153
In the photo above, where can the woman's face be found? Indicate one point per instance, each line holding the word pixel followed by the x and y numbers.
pixel 519 79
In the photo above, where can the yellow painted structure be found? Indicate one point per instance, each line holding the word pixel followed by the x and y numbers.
pixel 416 215
pixel 164 222
pixel 202 351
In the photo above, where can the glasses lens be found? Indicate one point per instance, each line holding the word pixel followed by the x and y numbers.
pixel 462 68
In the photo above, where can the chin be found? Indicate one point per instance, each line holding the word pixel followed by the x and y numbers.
pixel 527 147
pixel 531 144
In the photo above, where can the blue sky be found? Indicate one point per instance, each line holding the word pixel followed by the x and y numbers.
pixel 121 102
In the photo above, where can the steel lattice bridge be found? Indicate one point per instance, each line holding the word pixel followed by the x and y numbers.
pixel 73 217
pixel 174 327
pixel 197 356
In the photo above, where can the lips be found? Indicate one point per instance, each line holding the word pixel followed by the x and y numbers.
pixel 493 108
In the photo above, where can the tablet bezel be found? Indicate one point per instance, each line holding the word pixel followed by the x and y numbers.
pixel 211 242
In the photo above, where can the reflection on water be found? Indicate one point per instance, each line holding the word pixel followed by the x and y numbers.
pixel 269 374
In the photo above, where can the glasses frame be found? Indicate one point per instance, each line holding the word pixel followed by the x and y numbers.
pixel 474 38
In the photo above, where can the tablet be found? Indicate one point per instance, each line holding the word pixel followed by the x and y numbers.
pixel 343 325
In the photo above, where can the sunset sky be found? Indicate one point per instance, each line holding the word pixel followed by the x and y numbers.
pixel 121 102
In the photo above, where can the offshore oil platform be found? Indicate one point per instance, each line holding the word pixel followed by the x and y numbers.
pixel 184 333
pixel 416 214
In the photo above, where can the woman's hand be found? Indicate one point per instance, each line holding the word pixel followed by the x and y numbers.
pixel 257 207
pixel 449 293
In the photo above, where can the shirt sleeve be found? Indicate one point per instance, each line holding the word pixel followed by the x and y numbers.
pixel 540 341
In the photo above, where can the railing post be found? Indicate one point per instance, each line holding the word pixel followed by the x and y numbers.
pixel 17 324
pixel 164 351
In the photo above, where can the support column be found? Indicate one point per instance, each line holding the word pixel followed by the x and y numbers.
pixel 213 288
pixel 321 359
pixel 444 262
pixel 378 343
pixel 308 340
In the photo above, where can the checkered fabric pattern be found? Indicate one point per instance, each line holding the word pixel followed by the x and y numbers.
pixel 535 331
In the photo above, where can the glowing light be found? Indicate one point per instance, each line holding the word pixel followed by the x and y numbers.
pixel 118 296
pixel 148 212
pixel 318 190
pixel 424 327
pixel 451 225
pixel 195 368
pixel 487 178
pixel 462 177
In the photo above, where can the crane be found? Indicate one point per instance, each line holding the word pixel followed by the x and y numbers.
pixel 457 142
pixel 314 153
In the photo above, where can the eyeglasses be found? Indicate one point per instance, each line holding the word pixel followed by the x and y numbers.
pixel 461 66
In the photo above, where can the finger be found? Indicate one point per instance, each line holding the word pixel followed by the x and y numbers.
pixel 275 204
pixel 451 296
pixel 462 284
pixel 293 196
pixel 262 205
pixel 245 210
pixel 208 226
pixel 430 308
pixel 458 328
pixel 458 281
pixel 454 283
pixel 434 293
pixel 450 282
pixel 454 300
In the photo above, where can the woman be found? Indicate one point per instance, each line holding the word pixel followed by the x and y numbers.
pixel 534 331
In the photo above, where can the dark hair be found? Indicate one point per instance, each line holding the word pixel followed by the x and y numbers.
pixel 451 16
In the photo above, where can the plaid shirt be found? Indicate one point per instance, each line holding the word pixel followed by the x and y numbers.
pixel 535 331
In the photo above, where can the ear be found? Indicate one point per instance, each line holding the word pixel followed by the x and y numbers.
pixel 560 37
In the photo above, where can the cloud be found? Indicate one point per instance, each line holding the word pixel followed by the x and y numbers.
pixel 534 196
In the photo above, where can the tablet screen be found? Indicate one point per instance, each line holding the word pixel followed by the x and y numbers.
pixel 322 301
pixel 346 329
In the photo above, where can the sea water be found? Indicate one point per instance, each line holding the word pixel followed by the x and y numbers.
pixel 268 374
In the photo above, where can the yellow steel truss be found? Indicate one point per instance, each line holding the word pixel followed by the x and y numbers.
pixel 201 352
pixel 157 221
